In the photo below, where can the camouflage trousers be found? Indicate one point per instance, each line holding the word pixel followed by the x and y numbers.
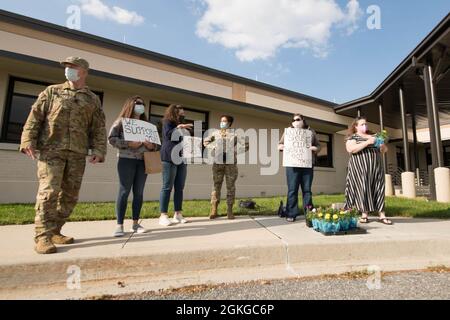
pixel 230 173
pixel 60 174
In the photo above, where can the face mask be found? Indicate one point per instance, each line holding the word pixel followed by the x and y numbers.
pixel 139 109
pixel 181 118
pixel 297 124
pixel 363 128
pixel 223 125
pixel 71 74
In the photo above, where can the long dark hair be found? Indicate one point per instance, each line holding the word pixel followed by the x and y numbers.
pixel 128 108
pixel 172 113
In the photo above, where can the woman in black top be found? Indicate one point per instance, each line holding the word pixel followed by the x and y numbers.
pixel 174 171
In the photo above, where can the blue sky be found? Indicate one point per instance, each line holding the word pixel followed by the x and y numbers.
pixel 260 40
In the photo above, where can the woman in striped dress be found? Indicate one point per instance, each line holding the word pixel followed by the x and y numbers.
pixel 365 183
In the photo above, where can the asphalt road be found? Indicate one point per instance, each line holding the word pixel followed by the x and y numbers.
pixel 404 285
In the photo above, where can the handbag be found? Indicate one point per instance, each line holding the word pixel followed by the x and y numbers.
pixel 282 210
pixel 247 204
pixel 152 162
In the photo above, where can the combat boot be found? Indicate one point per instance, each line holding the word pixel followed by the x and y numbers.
pixel 58 238
pixel 213 213
pixel 44 246
pixel 62 239
pixel 230 214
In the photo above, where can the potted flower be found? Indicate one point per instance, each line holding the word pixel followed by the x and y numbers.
pixel 327 225
pixel 353 218
pixel 344 220
pixel 317 219
pixel 336 223
pixel 309 216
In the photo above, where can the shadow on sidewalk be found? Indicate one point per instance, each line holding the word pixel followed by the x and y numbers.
pixel 192 229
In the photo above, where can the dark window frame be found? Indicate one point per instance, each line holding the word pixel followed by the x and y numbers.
pixel 330 160
pixel 8 101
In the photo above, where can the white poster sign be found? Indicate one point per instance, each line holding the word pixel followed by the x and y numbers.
pixel 138 130
pixel 296 152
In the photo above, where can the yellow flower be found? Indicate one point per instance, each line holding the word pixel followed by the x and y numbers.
pixel 320 215
pixel 342 212
pixel 335 217
pixel 327 216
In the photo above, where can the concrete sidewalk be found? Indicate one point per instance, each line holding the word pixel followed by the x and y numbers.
pixel 204 251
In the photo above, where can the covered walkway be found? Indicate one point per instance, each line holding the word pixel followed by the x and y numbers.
pixel 415 98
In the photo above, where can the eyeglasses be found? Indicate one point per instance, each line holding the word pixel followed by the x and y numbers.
pixel 298 119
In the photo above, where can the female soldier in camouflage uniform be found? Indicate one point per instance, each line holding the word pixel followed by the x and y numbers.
pixel 224 143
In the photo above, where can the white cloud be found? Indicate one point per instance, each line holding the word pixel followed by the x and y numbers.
pixel 102 11
pixel 256 29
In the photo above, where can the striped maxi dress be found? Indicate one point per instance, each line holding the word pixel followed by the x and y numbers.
pixel 365 184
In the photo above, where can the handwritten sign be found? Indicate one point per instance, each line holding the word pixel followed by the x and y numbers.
pixel 192 149
pixel 138 130
pixel 296 151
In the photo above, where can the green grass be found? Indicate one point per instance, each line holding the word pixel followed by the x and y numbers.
pixel 24 213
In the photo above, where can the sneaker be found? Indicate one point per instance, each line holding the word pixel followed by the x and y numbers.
pixel 164 220
pixel 290 219
pixel 137 228
pixel 119 231
pixel 178 218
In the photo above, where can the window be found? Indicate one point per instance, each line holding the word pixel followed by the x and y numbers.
pixel 157 112
pixel 446 154
pixel 325 155
pixel 22 93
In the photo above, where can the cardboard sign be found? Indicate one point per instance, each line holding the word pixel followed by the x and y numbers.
pixel 140 131
pixel 296 151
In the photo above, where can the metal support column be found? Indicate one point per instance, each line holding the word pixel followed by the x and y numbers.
pixel 416 152
pixel 404 129
pixel 435 133
pixel 433 115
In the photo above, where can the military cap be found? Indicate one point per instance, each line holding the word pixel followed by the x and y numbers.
pixel 76 61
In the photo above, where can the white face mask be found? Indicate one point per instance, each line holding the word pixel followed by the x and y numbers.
pixel 139 108
pixel 297 124
pixel 72 74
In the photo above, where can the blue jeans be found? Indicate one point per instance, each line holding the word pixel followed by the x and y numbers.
pixel 131 175
pixel 298 177
pixel 173 176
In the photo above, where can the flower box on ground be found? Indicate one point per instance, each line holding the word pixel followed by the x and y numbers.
pixel 334 222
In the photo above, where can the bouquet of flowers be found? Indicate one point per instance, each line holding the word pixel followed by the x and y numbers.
pixel 381 138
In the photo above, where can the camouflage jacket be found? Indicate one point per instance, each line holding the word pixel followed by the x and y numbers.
pixel 223 141
pixel 64 118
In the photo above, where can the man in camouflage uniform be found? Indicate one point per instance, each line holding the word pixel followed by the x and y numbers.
pixel 64 123
pixel 225 143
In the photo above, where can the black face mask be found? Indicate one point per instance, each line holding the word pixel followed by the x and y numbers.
pixel 181 119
